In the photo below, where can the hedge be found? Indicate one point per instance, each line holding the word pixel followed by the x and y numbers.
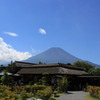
pixel 94 91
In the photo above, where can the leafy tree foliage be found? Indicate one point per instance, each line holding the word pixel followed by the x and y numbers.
pixel 63 84
pixel 45 79
pixel 41 62
pixel 12 68
pixel 5 78
pixel 94 71
pixel 84 65
pixel 69 64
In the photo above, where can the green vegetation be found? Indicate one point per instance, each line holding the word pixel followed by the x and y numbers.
pixel 41 62
pixel 88 97
pixel 94 91
pixel 21 93
pixel 94 71
pixel 5 78
pixel 63 84
pixel 88 67
pixel 42 89
pixel 84 65
pixel 12 68
pixel 68 64
pixel 44 94
pixel 45 79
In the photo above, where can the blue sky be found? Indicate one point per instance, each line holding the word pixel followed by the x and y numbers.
pixel 32 26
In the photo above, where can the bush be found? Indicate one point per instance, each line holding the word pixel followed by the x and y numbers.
pixel 8 95
pixel 28 88
pixel 17 89
pixel 52 99
pixel 5 78
pixel 4 87
pixel 45 78
pixel 94 91
pixel 23 95
pixel 35 88
pixel 44 94
pixel 63 84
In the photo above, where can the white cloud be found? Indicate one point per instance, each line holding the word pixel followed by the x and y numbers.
pixel 11 34
pixel 42 31
pixel 7 53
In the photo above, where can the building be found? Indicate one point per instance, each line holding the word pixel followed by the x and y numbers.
pixel 33 72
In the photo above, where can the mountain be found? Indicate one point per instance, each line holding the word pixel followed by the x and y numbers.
pixel 55 55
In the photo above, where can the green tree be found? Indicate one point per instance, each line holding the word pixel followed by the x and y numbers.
pixel 63 84
pixel 68 64
pixel 94 71
pixel 84 65
pixel 40 62
pixel 5 78
pixel 12 68
pixel 45 78
pixel 98 71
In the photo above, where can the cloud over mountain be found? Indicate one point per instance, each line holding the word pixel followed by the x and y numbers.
pixel 7 53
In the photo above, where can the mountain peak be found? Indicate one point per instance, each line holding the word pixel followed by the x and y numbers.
pixel 55 48
pixel 53 55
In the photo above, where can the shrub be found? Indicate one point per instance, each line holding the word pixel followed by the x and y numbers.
pixel 17 89
pixel 94 91
pixel 44 94
pixel 63 84
pixel 8 95
pixel 29 95
pixel 52 99
pixel 28 88
pixel 45 80
pixel 4 87
pixel 5 78
pixel 35 88
pixel 23 95
pixel 15 92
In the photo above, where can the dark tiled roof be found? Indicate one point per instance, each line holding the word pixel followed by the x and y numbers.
pixel 28 65
pixel 90 76
pixel 25 62
pixel 51 70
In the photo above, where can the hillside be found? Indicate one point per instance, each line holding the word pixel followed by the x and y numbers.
pixel 55 55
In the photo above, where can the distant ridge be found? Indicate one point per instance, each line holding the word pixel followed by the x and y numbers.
pixel 55 55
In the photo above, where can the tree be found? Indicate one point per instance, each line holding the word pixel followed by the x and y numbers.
pixel 40 62
pixel 69 64
pixel 94 71
pixel 12 68
pixel 63 84
pixel 98 71
pixel 84 65
pixel 45 79
pixel 5 78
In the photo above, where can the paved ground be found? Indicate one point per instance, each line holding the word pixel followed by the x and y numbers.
pixel 73 95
